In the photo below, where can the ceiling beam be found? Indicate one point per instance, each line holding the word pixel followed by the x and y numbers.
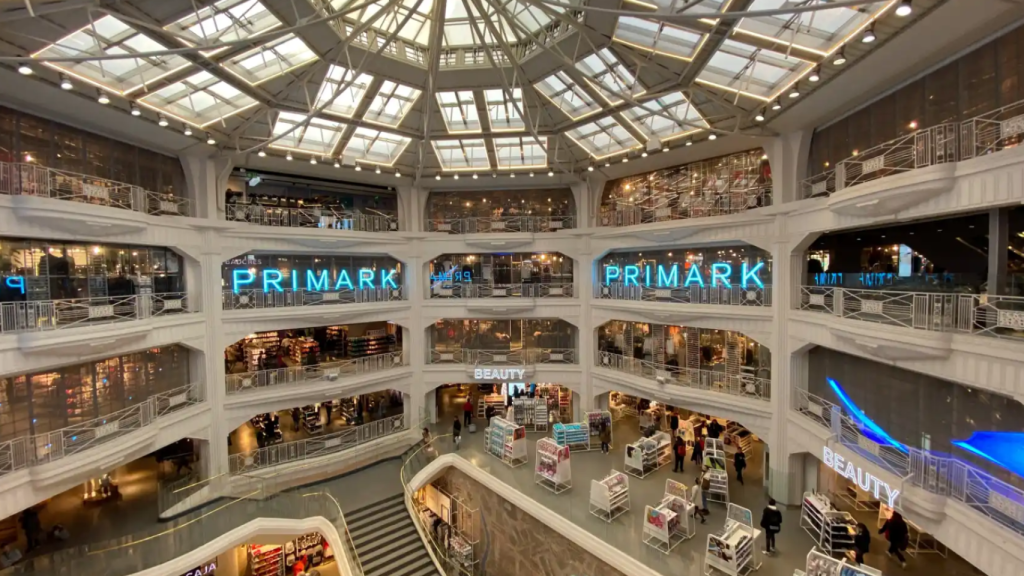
pixel 433 65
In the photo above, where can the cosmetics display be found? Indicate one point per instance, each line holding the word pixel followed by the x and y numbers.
pixel 832 530
pixel 531 412
pixel 575 436
pixel 648 454
pixel 552 471
pixel 506 441
pixel 820 564
pixel 732 549
pixel 609 498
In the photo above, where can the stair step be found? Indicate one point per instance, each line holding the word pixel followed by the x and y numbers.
pixel 369 508
pixel 387 541
pixel 383 536
pixel 401 546
pixel 378 515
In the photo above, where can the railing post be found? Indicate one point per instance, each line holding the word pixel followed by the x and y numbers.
pixel 840 176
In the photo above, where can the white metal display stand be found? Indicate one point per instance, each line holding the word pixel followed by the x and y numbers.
pixel 718 491
pixel 681 491
pixel 495 400
pixel 653 416
pixel 733 549
pixel 531 412
pixel 714 454
pixel 552 471
pixel 609 498
pixel 594 421
pixel 648 454
pixel 507 442
pixel 575 435
pixel 832 530
pixel 820 564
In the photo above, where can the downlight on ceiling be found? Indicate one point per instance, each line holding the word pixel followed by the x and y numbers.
pixel 209 139
pixel 815 74
pixel 188 130
pixel 262 153
pixel 869 35
pixel 713 136
pixel 135 109
pixel 840 58
pixel 904 9
pixel 102 97
pixel 65 83
pixel 760 116
pixel 24 69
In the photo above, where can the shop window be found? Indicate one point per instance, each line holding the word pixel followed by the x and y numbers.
pixel 501 204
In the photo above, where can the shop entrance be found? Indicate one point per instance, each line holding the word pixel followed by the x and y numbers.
pixel 310 346
pixel 309 554
pixel 553 399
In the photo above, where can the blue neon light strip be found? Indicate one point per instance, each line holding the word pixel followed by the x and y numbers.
pixel 1003 448
pixel 868 426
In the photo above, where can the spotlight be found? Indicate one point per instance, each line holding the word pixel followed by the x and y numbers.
pixel 590 168
pixel 437 177
pixel 162 121
pixel 713 136
pixel 288 157
pixel 777 105
pixel 312 160
pixel 644 154
pixel 840 58
pixel 188 130
pixel 904 9
pixel 135 109
pixel 102 97
pixel 475 176
pixel 494 174
pixel 65 83
pixel 607 163
pixel 689 142
pixel 377 170
pixel 337 164
pixel 760 116
pixel 531 174
pixel 24 69
pixel 512 175
pixel 456 176
pixel 209 139
pixel 262 153
pixel 815 74
pixel 551 172
pixel 869 35
pixel 794 93
pixel 664 148
pixel 359 168
pixel 398 174
pixel 625 159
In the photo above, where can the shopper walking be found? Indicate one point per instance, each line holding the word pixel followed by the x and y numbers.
pixel 697 496
pixel 739 461
pixel 680 450
pixel 895 529
pixel 704 481
pixel 605 436
pixel 771 522
pixel 698 452
pixel 467 411
pixel 329 407
pixel 32 527
pixel 714 429
pixel 457 432
pixel 489 413
pixel 861 543
pixel 673 423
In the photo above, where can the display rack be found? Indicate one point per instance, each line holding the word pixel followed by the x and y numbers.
pixel 919 541
pixel 732 550
pixel 668 524
pixel 311 419
pixel 370 344
pixel 739 437
pixel 575 435
pixel 531 412
pixel 265 560
pixel 858 499
pixel 682 492
pixel 648 454
pixel 655 415
pixel 624 404
pixel 564 404
pixel 507 442
pixel 337 340
pixel 718 491
pixel 833 530
pixel 553 471
pixel 594 421
pixel 495 400
pixel 819 564
pixel 305 352
pixel 609 498
pixel 714 454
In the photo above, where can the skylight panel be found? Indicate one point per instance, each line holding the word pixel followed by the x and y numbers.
pixel 503 111
pixel 751 71
pixel 658 37
pixel 270 60
pixel 521 152
pixel 459 111
pixel 603 138
pixel 609 76
pixel 320 137
pixel 567 96
pixel 109 36
pixel 415 30
pixel 199 100
pixel 458 155
pixel 677 117
pixel 820 31
pixel 225 21
pixel 392 102
pixel 375 147
pixel 345 103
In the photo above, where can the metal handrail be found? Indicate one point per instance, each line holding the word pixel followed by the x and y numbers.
pixel 247 299
pixel 329 371
pixel 517 357
pixel 24 179
pixel 327 218
pixel 699 203
pixel 499 224
pixel 315 447
pixel 693 294
pixel 992 132
pixel 983 314
pixel 497 290
pixel 38 449
pixel 745 385
pixel 44 315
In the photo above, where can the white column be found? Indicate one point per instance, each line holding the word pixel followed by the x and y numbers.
pixel 411 200
pixel 207 179
pixel 788 156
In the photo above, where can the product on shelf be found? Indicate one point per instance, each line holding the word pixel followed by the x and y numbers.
pixel 373 342
pixel 531 412
pixel 552 469
pixel 648 454
pixel 575 436
pixel 732 549
pixel 833 530
pixel 265 560
pixel 305 351
pixel 311 419
pixel 609 498
pixel 506 441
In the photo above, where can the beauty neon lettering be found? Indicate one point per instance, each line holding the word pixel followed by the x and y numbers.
pixel 273 280
pixel 668 276
pixel 867 482
pixel 507 374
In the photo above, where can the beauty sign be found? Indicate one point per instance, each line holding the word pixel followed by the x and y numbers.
pixel 722 274
pixel 863 478
pixel 273 280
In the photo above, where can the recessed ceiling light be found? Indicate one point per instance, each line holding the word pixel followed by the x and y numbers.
pixel 625 159
pixel 475 176
pixel 840 58
pixel 607 163
pixel 209 139
pixel 551 172
pixel 337 164
pixel 135 109
pixel 456 176
pixel 815 75
pixel 512 175
pixel 162 121
pixel 664 148
pixel 262 153
pixel 24 69
pixel 188 130
pixel 689 142
pixel 904 9
pixel 713 136
pixel 531 174
pixel 65 83
pixel 644 154
pixel 359 168
pixel 102 97
pixel 869 35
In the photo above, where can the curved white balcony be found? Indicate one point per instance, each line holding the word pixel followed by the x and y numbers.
pixel 46 315
pixel 246 299
pixel 748 384
pixel 492 290
pixel 263 380
pixel 21 179
pixel 325 218
pixel 702 200
pixel 692 294
pixel 499 224
pixel 519 357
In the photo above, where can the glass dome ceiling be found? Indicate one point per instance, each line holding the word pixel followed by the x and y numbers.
pixel 456 85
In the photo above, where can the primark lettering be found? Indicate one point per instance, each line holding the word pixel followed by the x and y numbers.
pixel 504 374
pixel 668 277
pixel 863 478
pixel 273 280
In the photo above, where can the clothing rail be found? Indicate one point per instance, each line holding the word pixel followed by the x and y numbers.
pixel 43 315
pixel 248 381
pixel 746 385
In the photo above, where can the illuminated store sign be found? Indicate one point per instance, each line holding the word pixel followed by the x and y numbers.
pixel 273 280
pixel 668 277
pixel 205 570
pixel 863 478
pixel 506 374
pixel 16 282
pixel 452 276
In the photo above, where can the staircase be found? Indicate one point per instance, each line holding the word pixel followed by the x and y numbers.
pixel 387 541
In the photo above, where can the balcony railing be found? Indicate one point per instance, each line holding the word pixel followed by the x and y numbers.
pixel 246 299
pixel 22 179
pixel 746 385
pixel 498 225
pixel 329 371
pixel 518 357
pixel 997 316
pixel 40 449
pixel 692 294
pixel 327 218
pixel 933 472
pixel 43 315
pixel 699 203
pixel 315 447
pixel 521 290
pixel 989 133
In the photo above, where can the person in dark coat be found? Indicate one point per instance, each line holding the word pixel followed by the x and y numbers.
pixel 896 530
pixel 673 423
pixel 771 522
pixel 680 451
pixel 489 413
pixel 32 527
pixel 739 461
pixel 861 543
pixel 698 452
pixel 714 429
pixel 457 432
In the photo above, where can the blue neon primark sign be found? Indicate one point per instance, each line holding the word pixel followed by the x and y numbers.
pixel 273 280
pixel 668 276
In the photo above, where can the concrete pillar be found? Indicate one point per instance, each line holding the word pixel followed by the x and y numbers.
pixel 998 246
pixel 411 200
pixel 587 195
pixel 207 179
pixel 788 156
